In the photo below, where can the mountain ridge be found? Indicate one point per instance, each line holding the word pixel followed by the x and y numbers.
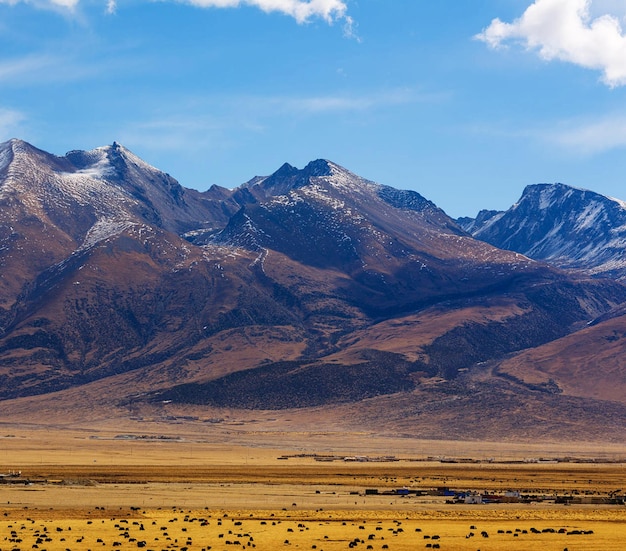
pixel 566 226
pixel 307 288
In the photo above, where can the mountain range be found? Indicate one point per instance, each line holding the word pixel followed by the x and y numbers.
pixel 310 290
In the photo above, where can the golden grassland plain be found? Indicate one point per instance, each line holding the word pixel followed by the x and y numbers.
pixel 99 489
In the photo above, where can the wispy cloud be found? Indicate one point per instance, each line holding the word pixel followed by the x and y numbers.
pixel 66 65
pixel 589 137
pixel 301 10
pixel 44 68
pixel 45 4
pixel 20 68
pixel 566 30
pixel 11 123
pixel 200 124
pixel 579 136
pixel 176 132
pixel 333 103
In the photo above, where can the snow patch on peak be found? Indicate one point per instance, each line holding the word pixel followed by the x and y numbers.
pixel 105 228
pixel 6 155
pixel 129 156
pixel 290 199
pixel 18 146
pixel 345 181
pixel 89 186
pixel 621 203
pixel 546 197
pixel 590 215
pixel 569 227
pixel 104 161
pixel 95 164
pixel 317 192
pixel 335 168
pixel 82 158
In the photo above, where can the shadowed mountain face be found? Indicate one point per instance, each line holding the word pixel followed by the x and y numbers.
pixel 307 288
pixel 566 226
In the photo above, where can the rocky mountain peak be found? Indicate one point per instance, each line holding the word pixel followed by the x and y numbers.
pixel 112 160
pixel 567 226
pixel 21 154
pixel 472 225
pixel 320 167
pixel 287 178
pixel 160 198
pixel 17 146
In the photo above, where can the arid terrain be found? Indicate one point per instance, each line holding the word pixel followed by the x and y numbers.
pixel 102 489
pixel 307 300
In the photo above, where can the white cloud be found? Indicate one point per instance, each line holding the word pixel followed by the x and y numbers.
pixel 301 10
pixel 573 31
pixel 70 4
pixel 53 4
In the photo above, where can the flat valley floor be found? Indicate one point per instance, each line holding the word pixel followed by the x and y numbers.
pixel 78 490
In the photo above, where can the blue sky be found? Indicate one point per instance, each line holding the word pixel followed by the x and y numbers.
pixel 465 101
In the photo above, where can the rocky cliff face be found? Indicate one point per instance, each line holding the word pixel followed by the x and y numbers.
pixel 562 225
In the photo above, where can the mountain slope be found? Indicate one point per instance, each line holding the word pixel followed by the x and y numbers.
pixel 398 249
pixel 93 276
pixel 307 288
pixel 52 207
pixel 399 255
pixel 588 364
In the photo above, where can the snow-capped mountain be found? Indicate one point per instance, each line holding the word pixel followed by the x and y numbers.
pixel 398 249
pixel 110 181
pixel 326 215
pixel 54 208
pixel 565 226
pixel 308 287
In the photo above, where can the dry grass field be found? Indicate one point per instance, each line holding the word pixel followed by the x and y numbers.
pixel 87 490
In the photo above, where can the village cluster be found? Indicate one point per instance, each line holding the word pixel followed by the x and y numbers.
pixel 510 496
